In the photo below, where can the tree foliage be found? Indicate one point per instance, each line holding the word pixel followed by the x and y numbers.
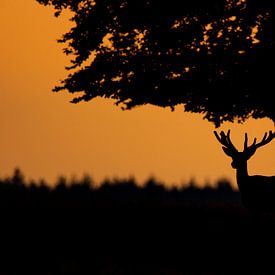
pixel 215 57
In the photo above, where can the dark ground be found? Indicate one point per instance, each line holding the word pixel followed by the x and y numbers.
pixel 120 228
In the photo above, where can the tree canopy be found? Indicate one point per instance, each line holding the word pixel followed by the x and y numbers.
pixel 215 57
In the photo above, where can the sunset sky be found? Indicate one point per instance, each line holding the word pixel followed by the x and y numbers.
pixel 46 136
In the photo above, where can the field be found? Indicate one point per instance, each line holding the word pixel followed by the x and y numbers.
pixel 120 228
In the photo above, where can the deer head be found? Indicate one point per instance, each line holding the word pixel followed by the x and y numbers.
pixel 240 158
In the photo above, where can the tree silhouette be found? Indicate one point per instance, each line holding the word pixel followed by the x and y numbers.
pixel 215 57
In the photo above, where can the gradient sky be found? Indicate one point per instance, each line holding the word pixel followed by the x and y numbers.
pixel 46 136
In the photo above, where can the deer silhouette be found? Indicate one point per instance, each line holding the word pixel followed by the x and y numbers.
pixel 257 192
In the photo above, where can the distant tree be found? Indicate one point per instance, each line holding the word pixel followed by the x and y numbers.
pixel 18 178
pixel 216 57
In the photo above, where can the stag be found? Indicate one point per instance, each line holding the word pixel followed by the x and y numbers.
pixel 257 192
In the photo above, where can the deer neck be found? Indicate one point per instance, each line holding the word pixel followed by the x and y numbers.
pixel 242 174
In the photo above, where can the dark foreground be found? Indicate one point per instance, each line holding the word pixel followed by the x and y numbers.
pixel 123 229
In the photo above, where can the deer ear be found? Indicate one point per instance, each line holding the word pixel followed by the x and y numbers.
pixel 227 151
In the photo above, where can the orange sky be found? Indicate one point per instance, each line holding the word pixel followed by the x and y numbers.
pixel 46 136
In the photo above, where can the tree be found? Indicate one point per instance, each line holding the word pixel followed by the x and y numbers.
pixel 215 57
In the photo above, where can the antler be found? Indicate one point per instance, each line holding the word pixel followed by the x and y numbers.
pixel 225 140
pixel 268 137
pixel 230 149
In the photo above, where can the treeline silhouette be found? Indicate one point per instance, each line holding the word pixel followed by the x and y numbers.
pixel 15 191
pixel 119 227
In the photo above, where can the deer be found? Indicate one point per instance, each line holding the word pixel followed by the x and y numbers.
pixel 257 192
